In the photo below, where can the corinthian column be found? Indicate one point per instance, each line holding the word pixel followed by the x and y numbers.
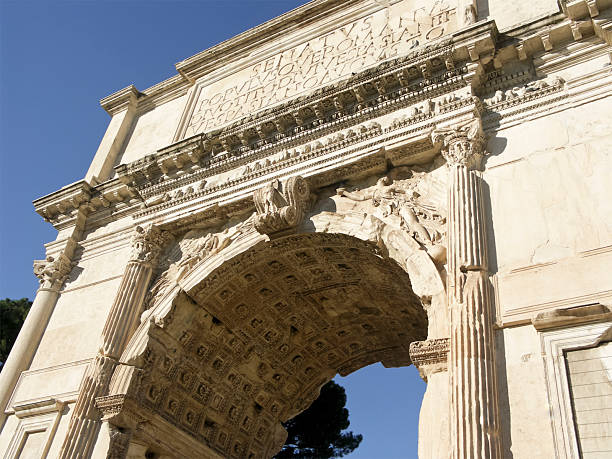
pixel 52 273
pixel 120 324
pixel 474 411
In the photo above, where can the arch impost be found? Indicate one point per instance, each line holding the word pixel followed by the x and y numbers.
pixel 430 356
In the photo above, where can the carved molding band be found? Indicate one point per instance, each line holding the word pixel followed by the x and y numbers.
pixel 430 356
pixel 281 205
pixel 430 352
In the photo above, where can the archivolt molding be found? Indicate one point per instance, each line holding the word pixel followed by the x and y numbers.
pixel 410 202
pixel 281 206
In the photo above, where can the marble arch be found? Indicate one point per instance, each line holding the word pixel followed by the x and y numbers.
pixel 460 147
pixel 275 318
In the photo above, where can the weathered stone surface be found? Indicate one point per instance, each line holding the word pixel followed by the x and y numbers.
pixel 386 182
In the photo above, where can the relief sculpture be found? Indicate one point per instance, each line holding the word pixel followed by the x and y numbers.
pixel 195 246
pixel 401 200
pixel 281 205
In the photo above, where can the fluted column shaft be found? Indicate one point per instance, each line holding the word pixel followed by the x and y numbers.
pixel 120 325
pixel 473 398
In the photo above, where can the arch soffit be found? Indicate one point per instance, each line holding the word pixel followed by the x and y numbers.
pixel 385 233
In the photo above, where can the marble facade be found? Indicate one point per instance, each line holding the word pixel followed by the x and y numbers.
pixel 355 181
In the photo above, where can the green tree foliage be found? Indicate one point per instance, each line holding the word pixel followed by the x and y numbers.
pixel 317 432
pixel 12 315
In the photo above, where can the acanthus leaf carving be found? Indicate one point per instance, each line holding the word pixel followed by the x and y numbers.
pixel 280 205
pixel 148 243
pixel 53 271
pixel 462 143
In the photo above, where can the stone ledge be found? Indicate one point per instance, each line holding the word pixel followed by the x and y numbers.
pixel 558 318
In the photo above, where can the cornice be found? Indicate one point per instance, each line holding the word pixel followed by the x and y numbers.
pixel 526 40
pixel 165 91
pixel 580 315
pixel 425 73
pixel 64 207
pixel 150 175
pixel 120 100
pixel 64 202
pixel 577 9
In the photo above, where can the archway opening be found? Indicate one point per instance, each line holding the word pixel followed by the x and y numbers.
pixel 383 405
pixel 250 345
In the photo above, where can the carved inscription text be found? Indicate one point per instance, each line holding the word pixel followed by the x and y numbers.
pixel 382 35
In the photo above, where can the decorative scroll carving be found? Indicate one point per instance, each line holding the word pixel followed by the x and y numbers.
pixel 462 144
pixel 281 206
pixel 53 271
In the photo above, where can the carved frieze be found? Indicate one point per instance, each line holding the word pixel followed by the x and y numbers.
pixel 280 205
pixel 503 98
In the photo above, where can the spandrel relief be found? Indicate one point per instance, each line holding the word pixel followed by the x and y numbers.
pixel 410 198
pixel 195 246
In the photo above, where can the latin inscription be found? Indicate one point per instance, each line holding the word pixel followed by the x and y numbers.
pixel 320 61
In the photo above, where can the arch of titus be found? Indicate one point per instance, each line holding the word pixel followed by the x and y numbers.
pixel 356 181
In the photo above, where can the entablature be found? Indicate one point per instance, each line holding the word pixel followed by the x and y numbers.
pixel 374 119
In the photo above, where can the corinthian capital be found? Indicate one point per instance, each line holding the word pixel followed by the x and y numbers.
pixel 462 144
pixel 148 243
pixel 52 271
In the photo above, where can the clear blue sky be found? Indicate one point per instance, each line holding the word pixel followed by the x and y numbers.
pixel 57 59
